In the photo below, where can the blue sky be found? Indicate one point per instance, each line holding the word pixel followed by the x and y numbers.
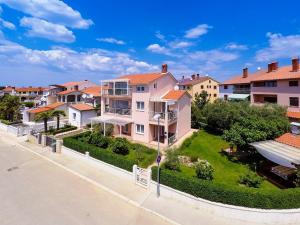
pixel 52 41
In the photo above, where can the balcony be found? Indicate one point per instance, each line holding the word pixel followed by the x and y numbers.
pixel 172 116
pixel 241 90
pixel 117 92
pixel 118 111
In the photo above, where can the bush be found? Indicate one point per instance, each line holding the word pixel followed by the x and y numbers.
pixel 204 170
pixel 172 161
pixel 247 197
pixel 251 180
pixel 99 140
pixel 99 128
pixel 297 179
pixel 98 153
pixel 120 146
pixel 28 104
pixel 66 128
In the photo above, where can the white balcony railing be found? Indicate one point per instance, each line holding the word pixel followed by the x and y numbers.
pixel 117 92
pixel 118 111
pixel 172 115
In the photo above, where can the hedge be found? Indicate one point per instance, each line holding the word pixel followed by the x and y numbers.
pixel 239 196
pixel 7 122
pixel 98 153
pixel 64 129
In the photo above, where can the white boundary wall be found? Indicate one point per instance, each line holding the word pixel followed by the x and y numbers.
pixel 247 215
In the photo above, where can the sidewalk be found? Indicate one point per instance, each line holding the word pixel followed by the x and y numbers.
pixel 122 185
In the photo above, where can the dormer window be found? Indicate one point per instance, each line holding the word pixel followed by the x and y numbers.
pixel 140 88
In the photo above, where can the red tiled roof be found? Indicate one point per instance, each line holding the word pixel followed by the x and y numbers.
pixel 95 91
pixel 189 81
pixel 67 92
pixel 175 94
pixel 146 78
pixel 82 107
pixel 289 139
pixel 295 115
pixel 46 108
pixel 25 89
pixel 72 83
pixel 282 73
pixel 7 89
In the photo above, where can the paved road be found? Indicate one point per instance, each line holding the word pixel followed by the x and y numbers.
pixel 34 191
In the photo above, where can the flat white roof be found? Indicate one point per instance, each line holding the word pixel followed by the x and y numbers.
pixel 279 153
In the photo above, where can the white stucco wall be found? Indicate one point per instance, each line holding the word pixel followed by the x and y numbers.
pixel 223 91
pixel 82 117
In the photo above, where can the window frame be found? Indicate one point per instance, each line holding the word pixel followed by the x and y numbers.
pixel 295 82
pixel 297 100
pixel 140 103
pixel 140 87
pixel 139 130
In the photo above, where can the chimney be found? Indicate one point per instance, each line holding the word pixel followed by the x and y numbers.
pixel 193 77
pixel 270 67
pixel 76 87
pixel 198 75
pixel 182 77
pixel 295 64
pixel 275 66
pixel 245 72
pixel 164 68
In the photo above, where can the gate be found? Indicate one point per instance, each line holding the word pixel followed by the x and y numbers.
pixel 51 142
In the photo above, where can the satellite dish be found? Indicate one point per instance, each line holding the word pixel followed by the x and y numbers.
pixel 176 88
pixel 84 96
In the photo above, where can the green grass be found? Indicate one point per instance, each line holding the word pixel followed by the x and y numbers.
pixel 207 146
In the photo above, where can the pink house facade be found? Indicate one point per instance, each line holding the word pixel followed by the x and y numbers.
pixel 130 103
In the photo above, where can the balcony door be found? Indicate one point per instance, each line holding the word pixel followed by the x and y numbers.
pixel 120 104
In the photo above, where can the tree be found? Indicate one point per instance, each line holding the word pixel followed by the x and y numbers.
pixel 201 99
pixel 45 116
pixel 58 114
pixel 10 107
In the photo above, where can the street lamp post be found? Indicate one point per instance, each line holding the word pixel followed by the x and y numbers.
pixel 157 117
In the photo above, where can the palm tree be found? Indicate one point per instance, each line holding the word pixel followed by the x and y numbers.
pixel 58 114
pixel 45 116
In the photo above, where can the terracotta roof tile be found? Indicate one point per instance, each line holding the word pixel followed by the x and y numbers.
pixel 46 108
pixel 67 92
pixel 72 83
pixel 95 91
pixel 146 78
pixel 82 107
pixel 174 94
pixel 25 89
pixel 289 139
pixel 295 115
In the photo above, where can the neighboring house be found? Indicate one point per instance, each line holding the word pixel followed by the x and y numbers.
pixel 130 103
pixel 279 85
pixel 197 84
pixel 26 94
pixel 29 115
pixel 72 92
pixel 92 95
pixel 80 114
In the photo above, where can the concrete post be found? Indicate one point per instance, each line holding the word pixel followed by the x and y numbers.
pixel 59 144
pixel 134 168
pixel 44 140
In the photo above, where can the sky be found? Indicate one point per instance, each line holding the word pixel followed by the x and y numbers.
pixel 45 42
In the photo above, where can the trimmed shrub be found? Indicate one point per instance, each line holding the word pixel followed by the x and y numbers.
pixel 248 197
pixel 172 162
pixel 204 170
pixel 98 153
pixel 28 104
pixel 120 146
pixel 251 180
pixel 99 140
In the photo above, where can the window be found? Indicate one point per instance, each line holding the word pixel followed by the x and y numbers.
pixel 139 128
pixel 74 116
pixel 202 87
pixel 215 87
pixel 140 88
pixel 140 106
pixel 209 81
pixel 272 83
pixel 225 97
pixel 215 95
pixel 293 83
pixel 225 87
pixel 294 101
pixel 155 85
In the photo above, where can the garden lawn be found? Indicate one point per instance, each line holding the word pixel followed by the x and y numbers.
pixel 208 146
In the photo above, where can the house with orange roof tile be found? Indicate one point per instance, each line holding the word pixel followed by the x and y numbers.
pixel 131 102
pixel 197 84
pixel 80 114
pixel 26 94
pixel 279 85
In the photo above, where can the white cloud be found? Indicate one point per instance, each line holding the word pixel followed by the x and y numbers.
pixel 111 40
pixel 54 11
pixel 235 46
pixel 1 10
pixel 68 60
pixel 214 55
pixel 279 47
pixel 180 44
pixel 43 29
pixel 7 24
pixel 159 36
pixel 197 31
pixel 156 48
